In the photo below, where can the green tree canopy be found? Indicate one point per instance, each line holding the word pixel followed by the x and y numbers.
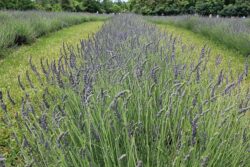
pixel 202 7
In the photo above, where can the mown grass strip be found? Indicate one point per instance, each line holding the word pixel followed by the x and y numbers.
pixel 47 47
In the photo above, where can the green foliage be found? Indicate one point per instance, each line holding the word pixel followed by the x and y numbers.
pixel 229 10
pixel 92 6
pixel 202 7
pixel 145 10
pixel 147 7
pixel 208 7
pixel 107 6
pixel 67 5
pixel 236 10
pixel 8 4
pixel 116 8
pixel 25 4
pixel 78 6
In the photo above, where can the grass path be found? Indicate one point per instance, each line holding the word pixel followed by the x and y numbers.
pixel 45 47
pixel 236 59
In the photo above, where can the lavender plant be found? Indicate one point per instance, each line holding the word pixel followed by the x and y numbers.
pixel 232 32
pixel 18 27
pixel 131 95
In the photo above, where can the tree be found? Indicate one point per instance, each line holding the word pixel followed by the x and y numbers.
pixel 25 4
pixel 227 2
pixel 8 4
pixel 203 7
pixel 146 7
pixel 236 8
pixel 229 10
pixel 209 7
pixel 107 6
pixel 92 6
pixel 78 5
pixel 116 8
pixel 67 5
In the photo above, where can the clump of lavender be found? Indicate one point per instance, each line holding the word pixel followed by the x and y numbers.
pixel 130 96
pixel 231 32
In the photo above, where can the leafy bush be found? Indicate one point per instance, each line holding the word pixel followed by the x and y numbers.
pixel 202 7
pixel 146 10
pixel 67 5
pixel 172 10
pixel 105 6
pixel 243 9
pixel 207 7
pixel 229 10
pixel 239 10
pixel 116 8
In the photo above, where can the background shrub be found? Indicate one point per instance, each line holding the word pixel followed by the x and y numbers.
pixel 201 7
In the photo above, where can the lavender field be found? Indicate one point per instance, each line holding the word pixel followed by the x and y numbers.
pixel 130 95
pixel 232 32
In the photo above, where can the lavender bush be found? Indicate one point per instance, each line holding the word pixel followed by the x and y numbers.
pixel 18 27
pixel 131 95
pixel 232 32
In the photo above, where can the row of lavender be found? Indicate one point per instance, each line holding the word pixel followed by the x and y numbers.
pixel 19 27
pixel 131 95
pixel 232 32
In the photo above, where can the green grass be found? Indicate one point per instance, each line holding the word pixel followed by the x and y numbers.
pixel 16 63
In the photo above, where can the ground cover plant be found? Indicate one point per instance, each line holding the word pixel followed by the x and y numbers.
pixel 232 32
pixel 19 27
pixel 131 95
